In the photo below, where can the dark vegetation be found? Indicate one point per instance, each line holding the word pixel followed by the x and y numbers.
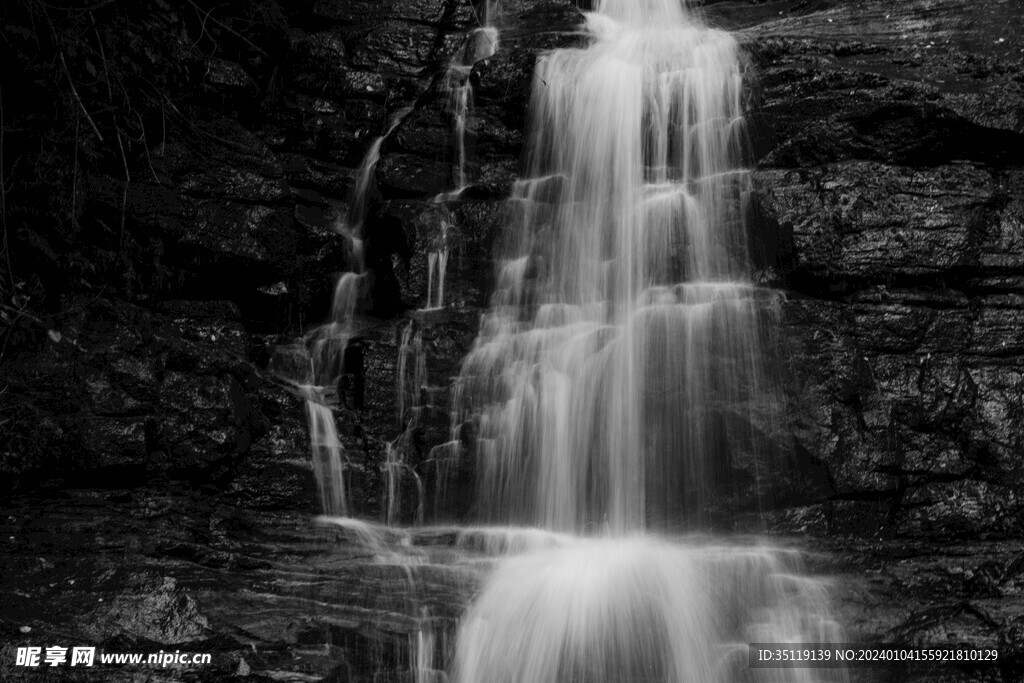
pixel 92 95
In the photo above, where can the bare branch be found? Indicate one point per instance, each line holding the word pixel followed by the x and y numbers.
pixel 3 194
pixel 227 28
pixel 74 178
pixel 117 129
pixel 127 182
pixel 145 146
pixel 74 91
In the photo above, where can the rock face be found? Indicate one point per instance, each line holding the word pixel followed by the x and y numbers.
pixel 890 145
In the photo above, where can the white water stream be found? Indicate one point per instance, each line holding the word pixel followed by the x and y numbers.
pixel 622 352
pixel 620 367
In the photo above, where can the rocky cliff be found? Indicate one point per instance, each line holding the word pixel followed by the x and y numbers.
pixel 169 219
pixel 890 146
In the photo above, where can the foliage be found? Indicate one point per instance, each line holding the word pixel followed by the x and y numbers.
pixel 91 94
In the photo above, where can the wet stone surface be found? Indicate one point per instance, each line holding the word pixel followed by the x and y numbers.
pixel 296 600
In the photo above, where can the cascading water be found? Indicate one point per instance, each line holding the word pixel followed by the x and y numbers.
pixel 315 363
pixel 619 368
pixel 622 350
pixel 437 261
pixel 481 43
pixel 411 372
pixel 410 383
pixel 615 378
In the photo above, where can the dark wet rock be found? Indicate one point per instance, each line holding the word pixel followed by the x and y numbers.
pixel 144 395
pixel 889 147
pixel 398 47
pixel 896 84
pixel 149 569
pixel 147 607
pixel 873 223
pixel 466 229
pixel 427 131
pixel 366 12
pixel 538 24
pixel 407 176
pixel 501 88
pixel 225 230
pixel 172 570
pixel 330 132
pixel 926 594
pixel 317 61
pixel 231 79
pixel 900 407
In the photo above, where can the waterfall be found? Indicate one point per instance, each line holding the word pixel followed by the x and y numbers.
pixel 616 381
pixel 619 371
pixel 480 44
pixel 621 358
pixel 410 378
pixel 437 261
pixel 410 384
pixel 327 458
pixel 314 364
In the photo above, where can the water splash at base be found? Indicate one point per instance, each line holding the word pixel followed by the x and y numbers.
pixel 641 609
